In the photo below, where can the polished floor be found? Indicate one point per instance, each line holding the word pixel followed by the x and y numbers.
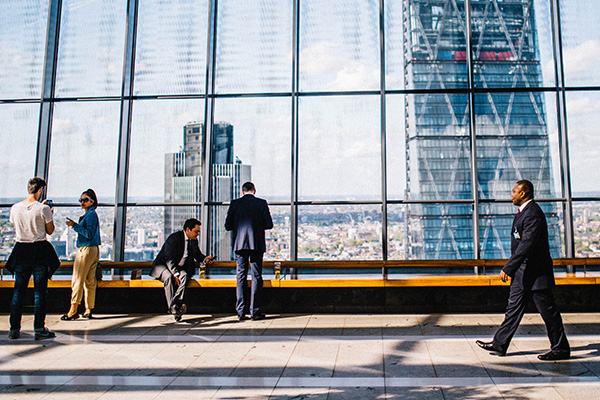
pixel 316 356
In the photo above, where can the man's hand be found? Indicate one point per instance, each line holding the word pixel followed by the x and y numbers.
pixel 209 260
pixel 503 276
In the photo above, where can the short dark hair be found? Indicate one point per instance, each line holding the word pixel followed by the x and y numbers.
pixel 248 187
pixel 527 187
pixel 92 195
pixel 190 224
pixel 35 184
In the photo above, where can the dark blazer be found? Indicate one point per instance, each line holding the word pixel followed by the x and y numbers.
pixel 36 253
pixel 171 253
pixel 248 217
pixel 530 264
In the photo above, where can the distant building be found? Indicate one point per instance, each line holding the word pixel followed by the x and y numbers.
pixel 511 128
pixel 183 182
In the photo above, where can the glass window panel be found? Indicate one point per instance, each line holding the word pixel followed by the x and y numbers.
pixel 277 239
pixel 516 139
pixel 18 150
pixel 252 142
pixel 7 233
pixel 433 41
pixel 22 45
pixel 580 33
pixel 64 238
pixel 90 57
pixel 165 161
pixel 397 232
pixel 171 47
pixel 438 146
pixel 254 46
pixel 512 44
pixel 83 153
pixel 339 232
pixel 145 232
pixel 396 146
pixel 339 45
pixel 583 118
pixel 495 224
pixel 158 146
pixel 439 231
pixel 586 222
pixel 340 148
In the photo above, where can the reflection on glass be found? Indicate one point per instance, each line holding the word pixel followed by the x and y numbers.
pixel 583 121
pixel 18 137
pixel 511 44
pixel 339 232
pixel 254 46
pixel 84 150
pixel 513 143
pixel 171 47
pixel 145 234
pixel 431 52
pixel 586 220
pixel 7 233
pixel 252 142
pixel 396 233
pixel 64 238
pixel 581 42
pixel 90 57
pixel 495 224
pixel 22 45
pixel 339 45
pixel 396 146
pixel 278 238
pixel 439 231
pixel 340 148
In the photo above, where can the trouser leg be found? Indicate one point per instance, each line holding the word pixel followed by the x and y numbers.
pixel 91 261
pixel 40 305
pixel 168 280
pixel 241 260
pixel 22 275
pixel 546 306
pixel 179 296
pixel 257 282
pixel 78 277
pixel 515 310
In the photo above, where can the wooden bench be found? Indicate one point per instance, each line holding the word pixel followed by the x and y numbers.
pixel 284 270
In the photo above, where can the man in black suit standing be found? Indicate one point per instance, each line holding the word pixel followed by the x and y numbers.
pixel 532 278
pixel 175 264
pixel 248 217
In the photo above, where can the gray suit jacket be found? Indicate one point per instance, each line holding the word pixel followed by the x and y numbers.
pixel 172 252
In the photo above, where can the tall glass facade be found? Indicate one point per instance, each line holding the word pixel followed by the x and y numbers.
pixel 376 129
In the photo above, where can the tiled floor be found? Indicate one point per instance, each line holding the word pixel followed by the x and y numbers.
pixel 295 357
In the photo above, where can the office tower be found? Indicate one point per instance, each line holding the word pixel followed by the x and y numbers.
pixel 183 182
pixel 511 130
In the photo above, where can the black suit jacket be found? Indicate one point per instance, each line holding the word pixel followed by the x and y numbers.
pixel 530 264
pixel 171 253
pixel 248 217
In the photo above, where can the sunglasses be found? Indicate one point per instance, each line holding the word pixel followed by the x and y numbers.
pixel 84 200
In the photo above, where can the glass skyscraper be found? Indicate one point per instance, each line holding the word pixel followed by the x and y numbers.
pixel 510 127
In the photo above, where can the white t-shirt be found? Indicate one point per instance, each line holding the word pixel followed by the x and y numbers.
pixel 30 221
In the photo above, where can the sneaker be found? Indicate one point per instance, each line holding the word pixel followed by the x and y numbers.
pixel 44 333
pixel 14 334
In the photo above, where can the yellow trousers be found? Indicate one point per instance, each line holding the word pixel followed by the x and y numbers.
pixel 84 276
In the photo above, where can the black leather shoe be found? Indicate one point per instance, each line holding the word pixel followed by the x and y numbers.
pixel 14 334
pixel 555 355
pixel 66 317
pixel 242 317
pixel 489 346
pixel 258 317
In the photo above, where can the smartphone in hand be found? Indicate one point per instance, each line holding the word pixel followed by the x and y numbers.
pixel 49 203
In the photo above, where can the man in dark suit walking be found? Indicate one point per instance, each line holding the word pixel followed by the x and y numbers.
pixel 175 265
pixel 248 217
pixel 532 278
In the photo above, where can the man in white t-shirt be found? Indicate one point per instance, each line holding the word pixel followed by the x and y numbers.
pixel 32 255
